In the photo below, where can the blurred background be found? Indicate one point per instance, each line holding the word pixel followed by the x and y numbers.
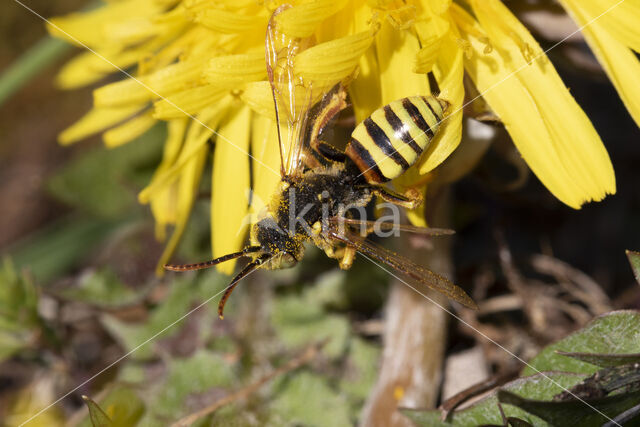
pixel 78 290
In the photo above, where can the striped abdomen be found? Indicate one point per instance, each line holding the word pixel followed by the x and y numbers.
pixel 392 139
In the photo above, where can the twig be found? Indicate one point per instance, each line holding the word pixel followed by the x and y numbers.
pixel 291 365
pixel 475 390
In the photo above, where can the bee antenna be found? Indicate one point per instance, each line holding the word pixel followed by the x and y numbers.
pixel 245 271
pixel 211 263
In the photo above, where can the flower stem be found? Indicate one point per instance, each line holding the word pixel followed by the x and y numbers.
pixel 29 65
pixel 414 336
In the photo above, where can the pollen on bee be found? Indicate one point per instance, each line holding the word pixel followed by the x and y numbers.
pixel 284 185
pixel 316 228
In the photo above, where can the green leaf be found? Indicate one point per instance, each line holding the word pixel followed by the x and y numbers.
pixel 102 288
pixel 203 372
pixel 304 398
pixel 162 323
pixel 485 411
pixel 168 318
pixel 619 379
pixel 104 182
pixel 588 413
pixel 299 320
pixel 517 422
pixel 634 260
pixel 18 296
pixel 19 318
pixel 12 343
pixel 604 360
pixel 361 370
pixel 97 416
pixel 617 332
pixel 52 251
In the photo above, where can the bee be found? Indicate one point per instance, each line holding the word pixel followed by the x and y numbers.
pixel 319 182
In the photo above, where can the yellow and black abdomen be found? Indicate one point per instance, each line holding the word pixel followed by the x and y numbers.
pixel 392 139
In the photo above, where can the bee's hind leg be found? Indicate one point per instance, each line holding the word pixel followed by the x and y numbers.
pixel 411 199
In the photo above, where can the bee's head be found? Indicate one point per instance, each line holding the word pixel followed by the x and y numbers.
pixel 284 250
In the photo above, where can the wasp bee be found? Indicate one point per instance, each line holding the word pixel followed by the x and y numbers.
pixel 318 180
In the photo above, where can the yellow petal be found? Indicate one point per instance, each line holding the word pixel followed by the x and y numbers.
pixel 301 21
pixel 130 31
pixel 449 72
pixel 200 5
pixel 188 183
pixel 197 135
pixel 618 18
pixel 234 70
pixel 230 187
pixel 365 90
pixel 163 203
pixel 426 57
pixel 123 92
pixel 418 216
pixel 258 96
pixel 160 83
pixel 135 30
pixel 265 164
pixel 230 22
pixel 175 46
pixel 395 50
pixel 576 141
pixel 188 102
pixel 431 29
pixel 185 175
pixel 549 129
pixel 327 63
pixel 96 120
pixel 619 62
pixel 438 7
pixel 166 3
pixel 163 208
pixel 80 71
pixel 88 27
pixel 87 67
pixel 129 130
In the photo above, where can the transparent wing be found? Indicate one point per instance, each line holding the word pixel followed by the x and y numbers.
pixel 292 96
pixel 367 227
pixel 320 115
pixel 406 267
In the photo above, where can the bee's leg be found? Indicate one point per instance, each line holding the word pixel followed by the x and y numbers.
pixel 410 200
pixel 335 252
pixel 330 250
pixel 328 151
pixel 348 255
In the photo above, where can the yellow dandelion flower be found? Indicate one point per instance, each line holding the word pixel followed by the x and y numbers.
pixel 199 65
